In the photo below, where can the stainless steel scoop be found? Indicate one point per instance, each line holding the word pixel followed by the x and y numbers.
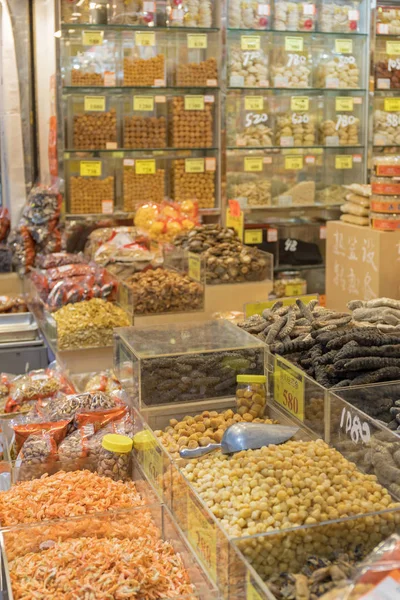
pixel 244 436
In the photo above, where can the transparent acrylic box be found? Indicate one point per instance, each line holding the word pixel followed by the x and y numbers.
pixel 92 122
pixel 143 180
pixel 121 525
pixel 340 62
pixel 184 13
pixel 191 59
pixel 291 61
pixel 298 15
pixel 388 20
pixel 90 185
pixel 90 59
pixel 145 122
pixel 192 121
pixel 207 355
pixel 342 16
pixel 244 14
pixel 248 61
pixel 249 119
pixel 296 120
pixel 195 179
pixel 342 122
pixel 249 178
pixel 387 64
pixel 343 167
pixel 132 12
pixel 386 120
pixel 144 59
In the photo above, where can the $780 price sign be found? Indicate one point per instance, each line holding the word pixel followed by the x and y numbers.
pixel 289 387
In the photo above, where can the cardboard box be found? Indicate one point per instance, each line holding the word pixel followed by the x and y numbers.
pixel 361 264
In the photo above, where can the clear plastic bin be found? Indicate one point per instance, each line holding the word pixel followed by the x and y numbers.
pixel 192 121
pixel 92 122
pixel 295 15
pixel 388 20
pixel 246 14
pixel 132 12
pixel 339 16
pixel 144 180
pixel 387 64
pixel 341 63
pixel 291 62
pixel 90 186
pixel 145 123
pixel 250 120
pixel 248 61
pixel 249 179
pixel 89 59
pixel 386 121
pixel 296 121
pixel 343 121
pixel 192 59
pixel 144 59
pixel 190 13
pixel 194 179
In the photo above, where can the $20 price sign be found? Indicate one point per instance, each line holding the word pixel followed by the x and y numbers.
pixel 289 387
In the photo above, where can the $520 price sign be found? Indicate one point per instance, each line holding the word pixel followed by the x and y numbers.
pixel 289 387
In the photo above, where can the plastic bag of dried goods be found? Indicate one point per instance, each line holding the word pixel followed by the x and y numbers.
pixel 99 417
pixel 123 426
pixel 37 456
pixel 67 406
pixel 57 430
pixel 58 259
pixel 105 381
pixel 35 385
pixel 74 449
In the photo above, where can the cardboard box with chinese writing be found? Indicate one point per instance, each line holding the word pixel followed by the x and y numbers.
pixel 362 263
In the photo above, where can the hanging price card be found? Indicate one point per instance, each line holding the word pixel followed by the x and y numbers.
pixel 294 44
pixel 294 163
pixel 251 592
pixel 197 40
pixel 92 38
pixel 143 103
pixel 289 387
pixel 90 168
pixel 145 167
pixel 250 42
pixel 254 103
pixel 95 103
pixel 343 46
pixel 344 103
pixel 202 536
pixel 391 104
pixel 393 48
pixel 253 236
pixel 299 103
pixel 253 164
pixel 194 102
pixel 343 162
pixel 194 265
pixel 145 38
pixel 194 165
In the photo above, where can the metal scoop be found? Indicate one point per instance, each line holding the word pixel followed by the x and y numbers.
pixel 244 436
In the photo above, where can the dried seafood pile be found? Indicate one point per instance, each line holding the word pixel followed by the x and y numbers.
pixel 227 260
pixel 329 346
pixel 383 313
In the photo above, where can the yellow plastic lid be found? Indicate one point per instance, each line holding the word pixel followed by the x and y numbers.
pixel 251 378
pixel 117 443
pixel 144 440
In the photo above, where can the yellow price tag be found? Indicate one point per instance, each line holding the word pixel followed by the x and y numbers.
pixel 202 536
pixel 95 103
pixel 253 236
pixel 197 40
pixel 194 264
pixel 143 103
pixel 294 44
pixel 299 103
pixel 343 162
pixel 289 387
pixel 145 166
pixel 343 103
pixel 145 38
pixel 294 289
pixel 250 42
pixel 194 102
pixel 194 165
pixel 393 48
pixel 254 103
pixel 153 466
pixel 251 592
pixel 343 46
pixel 236 222
pixel 294 163
pixel 92 38
pixel 253 164
pixel 391 104
pixel 90 168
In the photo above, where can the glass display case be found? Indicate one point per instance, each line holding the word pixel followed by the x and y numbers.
pixel 184 362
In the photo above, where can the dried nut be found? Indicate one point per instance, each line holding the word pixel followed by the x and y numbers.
pixel 87 194
pixel 140 188
pixel 114 464
pixel 145 132
pixel 189 186
pixel 257 193
pixel 144 72
pixel 191 128
pixel 95 130
pixel 201 74
pixel 254 136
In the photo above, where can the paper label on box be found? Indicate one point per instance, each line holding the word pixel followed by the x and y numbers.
pixel 153 467
pixel 294 163
pixel 382 28
pixel 322 232
pixel 343 162
pixel 253 164
pixel 250 42
pixel 301 103
pixel 160 99
pixel 385 224
pixel 357 158
pixel 263 10
pixel 236 81
pixel 383 207
pixel 345 103
pixel 393 48
pixel 202 536
pixel 194 266
pixel 242 202
pixel 254 103
pixel 107 207
pixel 149 6
pixel 289 385
pixel 129 162
pixel 145 38
pixel 145 166
pixel 197 40
pixel 280 81
pixel 332 140
pixel 386 189
pixel 331 82
pixel 194 165
pixel 111 145
pixel 309 160
pixel 253 236
pixel 211 164
pixel 344 46
pixel 95 103
pixel 294 44
pixel 353 15
pixel 309 9
pixel 383 84
pixel 194 102
pixel 92 38
pixel 286 141
pixel 388 170
pixel 211 83
pixel 285 200
pixel 109 79
pixel 177 14
pixel 90 168
pixel 143 103
pixel 209 99
pixel 391 104
pixel 159 83
pixel 236 222
pixel 272 235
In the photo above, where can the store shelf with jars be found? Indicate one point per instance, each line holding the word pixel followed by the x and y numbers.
pixel 140 105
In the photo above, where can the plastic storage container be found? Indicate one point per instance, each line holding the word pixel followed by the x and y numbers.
pixel 386 121
pixel 387 64
pixel 248 61
pixel 291 62
pixel 246 14
pixel 90 186
pixel 92 122
pixel 388 20
pixel 249 179
pixel 208 356
pixel 194 179
pixel 145 122
pixel 114 458
pixel 340 63
pixel 339 16
pixel 249 120
pixel 296 121
pixel 290 283
pixel 251 395
pixel 144 59
pixel 144 180
pixel 192 59
pixel 190 13
pixel 342 122
pixel 295 15
pixel 89 59
pixel 132 12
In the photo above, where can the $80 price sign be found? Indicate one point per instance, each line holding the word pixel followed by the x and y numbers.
pixel 289 387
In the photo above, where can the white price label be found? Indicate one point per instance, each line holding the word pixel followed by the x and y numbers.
pixel 298 119
pixel 359 431
pixel 296 60
pixel 344 121
pixel 254 119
